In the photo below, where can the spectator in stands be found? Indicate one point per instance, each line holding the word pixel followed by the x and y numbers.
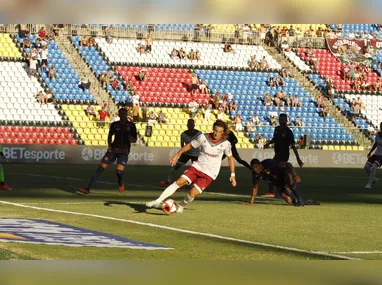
pixel 150 28
pixel 182 54
pixel 263 31
pixel 253 64
pixel 207 113
pixel 324 112
pixel 44 58
pixel 255 120
pixel 161 117
pixel 285 47
pixel 263 63
pixel 208 29
pixel 282 106
pixel 152 118
pixel 194 83
pixel 90 112
pixel 136 112
pixel 279 81
pixel 42 32
pixel 174 53
pixel 301 142
pixel 115 84
pixel 296 101
pixel 109 34
pixel 144 112
pixel 203 88
pixel 140 48
pixel 40 98
pixel 23 31
pixel 142 74
pixel 149 42
pixel 273 119
pixel 299 123
pixel 32 65
pixel 105 79
pixel 260 141
pixel 272 82
pixel 26 43
pixel 377 85
pixel 321 101
pixel 192 55
pixel 84 41
pixel 84 84
pixel 220 115
pixel 193 108
pixel 135 98
pixel 289 100
pixel 198 55
pixel 103 114
pixel 228 48
pixel 267 100
pixel 91 42
pixel 232 106
pixel 49 97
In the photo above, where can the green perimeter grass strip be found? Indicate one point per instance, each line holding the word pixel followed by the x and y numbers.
pixel 318 253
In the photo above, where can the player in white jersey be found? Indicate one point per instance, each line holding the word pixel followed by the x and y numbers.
pixel 374 161
pixel 185 138
pixel 203 171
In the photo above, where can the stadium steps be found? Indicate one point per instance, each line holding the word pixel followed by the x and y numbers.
pixel 316 93
pixel 83 70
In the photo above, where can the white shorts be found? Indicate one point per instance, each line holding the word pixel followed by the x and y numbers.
pixel 262 36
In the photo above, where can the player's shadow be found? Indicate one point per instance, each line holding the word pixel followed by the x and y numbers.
pixel 138 208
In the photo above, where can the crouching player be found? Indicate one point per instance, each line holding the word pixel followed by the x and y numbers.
pixel 279 175
pixel 203 171
pixel 374 161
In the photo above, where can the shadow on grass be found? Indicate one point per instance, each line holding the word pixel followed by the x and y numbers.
pixel 138 208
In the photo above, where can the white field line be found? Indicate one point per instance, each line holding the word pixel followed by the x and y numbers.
pixel 360 252
pixel 273 246
pixel 139 185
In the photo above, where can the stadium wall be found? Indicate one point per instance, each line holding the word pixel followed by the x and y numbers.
pixel 160 156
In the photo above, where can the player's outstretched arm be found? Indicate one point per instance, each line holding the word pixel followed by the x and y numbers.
pixel 372 149
pixel 133 134
pixel 231 163
pixel 255 189
pixel 299 161
pixel 175 157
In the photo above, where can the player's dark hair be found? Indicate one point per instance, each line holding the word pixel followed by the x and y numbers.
pixel 222 124
pixel 283 115
pixel 190 120
pixel 255 161
pixel 122 109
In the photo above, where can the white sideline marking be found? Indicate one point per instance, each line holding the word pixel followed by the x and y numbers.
pixel 140 186
pixel 359 252
pixel 319 253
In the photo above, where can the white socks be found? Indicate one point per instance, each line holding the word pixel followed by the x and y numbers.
pixel 167 192
pixel 186 200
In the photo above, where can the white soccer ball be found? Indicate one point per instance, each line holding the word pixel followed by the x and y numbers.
pixel 169 206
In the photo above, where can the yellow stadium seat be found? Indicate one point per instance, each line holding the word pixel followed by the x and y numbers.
pixel 331 147
pixel 361 148
pixel 349 147
pixel 151 144
pixel 342 147
pixel 337 147
pixel 325 147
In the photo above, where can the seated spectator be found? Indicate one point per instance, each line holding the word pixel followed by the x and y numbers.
pixel 282 106
pixel 161 117
pixel 260 141
pixel 263 63
pixel 90 112
pixel 140 48
pixel 84 41
pixel 220 115
pixel 232 106
pixel 250 127
pixel 102 117
pixel 277 99
pixel 228 48
pixel 142 74
pixel 273 119
pixel 109 34
pixel 152 118
pixel 253 64
pixel 377 85
pixel 105 79
pixel 296 102
pixel 41 98
pixel 207 113
pixel 285 47
pixel 255 119
pixel 298 122
pixel 365 85
pixel 268 100
pixel 26 43
pixel 149 42
pixel 193 107
pixel 192 55
pixel 182 54
pixel 203 88
pixel 198 55
pixel 91 42
pixel 84 84
pixel 42 32
pixel 289 100
pixel 238 123
pixel 52 72
pixel 324 112
pixel 174 53
pixel 279 81
pixel 135 98
pixel 272 82
pixel 321 101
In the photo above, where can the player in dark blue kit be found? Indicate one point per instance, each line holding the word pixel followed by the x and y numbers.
pixel 124 133
pixel 277 173
pixel 233 140
pixel 283 139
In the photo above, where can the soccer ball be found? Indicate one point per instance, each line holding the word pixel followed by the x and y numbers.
pixel 169 206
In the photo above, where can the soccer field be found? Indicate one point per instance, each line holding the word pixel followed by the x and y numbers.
pixel 218 225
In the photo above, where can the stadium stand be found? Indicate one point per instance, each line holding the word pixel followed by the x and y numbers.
pixel 8 47
pixel 212 55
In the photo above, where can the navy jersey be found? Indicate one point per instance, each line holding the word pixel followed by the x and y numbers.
pixel 271 173
pixel 121 132
pixel 283 139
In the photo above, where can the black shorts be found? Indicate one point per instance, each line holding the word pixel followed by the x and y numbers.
pixel 110 157
pixel 148 48
pixel 377 159
pixel 44 62
pixel 184 158
pixel 194 86
pixel 281 157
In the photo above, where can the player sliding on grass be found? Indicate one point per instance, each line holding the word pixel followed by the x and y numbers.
pixel 374 161
pixel 185 138
pixel 3 186
pixel 124 133
pixel 277 173
pixel 203 171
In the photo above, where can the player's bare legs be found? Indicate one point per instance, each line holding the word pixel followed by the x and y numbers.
pixel 170 190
